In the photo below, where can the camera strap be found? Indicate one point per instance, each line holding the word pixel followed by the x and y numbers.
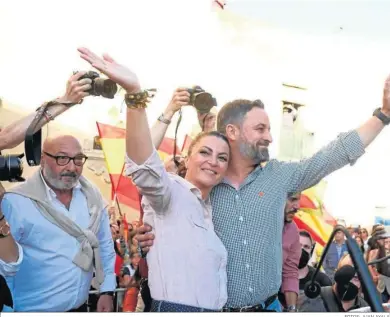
pixel 33 141
pixel 177 163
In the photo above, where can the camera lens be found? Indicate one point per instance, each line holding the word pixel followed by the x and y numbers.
pixel 11 168
pixel 204 102
pixel 105 87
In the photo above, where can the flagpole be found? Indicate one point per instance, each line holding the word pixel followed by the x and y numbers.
pixel 116 189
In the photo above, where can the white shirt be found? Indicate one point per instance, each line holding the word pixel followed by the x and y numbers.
pixel 187 263
pixel 45 277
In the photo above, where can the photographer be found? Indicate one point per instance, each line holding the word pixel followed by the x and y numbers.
pixel 14 134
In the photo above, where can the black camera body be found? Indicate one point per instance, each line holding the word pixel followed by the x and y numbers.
pixel 11 168
pixel 100 86
pixel 200 99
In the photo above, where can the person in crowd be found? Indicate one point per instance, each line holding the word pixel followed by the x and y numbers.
pixel 376 241
pixel 363 233
pixel 306 272
pixel 380 272
pixel 112 214
pixel 255 194
pixel 350 230
pixel 360 243
pixel 60 225
pixel 291 255
pixel 14 134
pixel 337 250
pixel 383 269
pixel 346 292
pixel 128 281
pixel 177 280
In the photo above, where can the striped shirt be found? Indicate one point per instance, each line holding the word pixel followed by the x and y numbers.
pixel 250 220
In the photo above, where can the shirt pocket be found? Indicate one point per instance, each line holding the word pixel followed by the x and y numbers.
pixel 198 222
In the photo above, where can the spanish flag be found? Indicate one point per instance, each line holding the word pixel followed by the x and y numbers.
pixel 113 143
pixel 313 216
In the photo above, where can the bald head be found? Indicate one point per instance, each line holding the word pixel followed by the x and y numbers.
pixel 62 142
pixel 62 162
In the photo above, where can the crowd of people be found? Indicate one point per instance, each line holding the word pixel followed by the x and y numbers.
pixel 216 231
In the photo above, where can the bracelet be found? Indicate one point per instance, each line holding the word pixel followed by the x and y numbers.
pixel 139 100
pixel 48 116
pixel 163 119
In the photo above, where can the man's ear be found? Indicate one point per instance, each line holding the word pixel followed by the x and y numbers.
pixel 232 132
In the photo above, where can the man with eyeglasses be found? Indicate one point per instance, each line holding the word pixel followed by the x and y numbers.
pixel 60 223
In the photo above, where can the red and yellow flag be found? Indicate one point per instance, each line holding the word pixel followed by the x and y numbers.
pixel 113 143
pixel 312 215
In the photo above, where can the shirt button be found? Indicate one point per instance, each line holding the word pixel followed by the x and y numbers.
pixel 237 197
pixel 244 242
pixel 251 289
pixel 241 218
pixel 247 266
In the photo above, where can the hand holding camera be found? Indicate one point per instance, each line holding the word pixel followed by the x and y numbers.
pixel 76 89
pixel 180 98
pixel 118 73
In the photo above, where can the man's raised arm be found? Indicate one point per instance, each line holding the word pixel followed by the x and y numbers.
pixel 14 134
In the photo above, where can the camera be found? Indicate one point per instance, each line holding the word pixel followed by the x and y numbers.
pixel 203 101
pixel 100 86
pixel 11 168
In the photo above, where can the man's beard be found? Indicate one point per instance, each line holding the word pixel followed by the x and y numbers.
pixel 292 213
pixel 53 180
pixel 254 152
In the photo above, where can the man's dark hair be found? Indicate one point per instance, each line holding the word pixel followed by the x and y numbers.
pixel 292 194
pixel 304 233
pixel 235 111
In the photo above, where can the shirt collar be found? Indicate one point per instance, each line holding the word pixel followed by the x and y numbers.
pixel 251 176
pixel 50 192
pixel 195 190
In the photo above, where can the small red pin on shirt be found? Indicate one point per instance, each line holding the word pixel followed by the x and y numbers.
pixel 261 194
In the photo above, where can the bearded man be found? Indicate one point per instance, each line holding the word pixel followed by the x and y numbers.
pixel 60 224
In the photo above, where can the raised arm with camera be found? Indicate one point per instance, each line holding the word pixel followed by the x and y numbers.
pixel 180 98
pixel 76 90
pixel 139 144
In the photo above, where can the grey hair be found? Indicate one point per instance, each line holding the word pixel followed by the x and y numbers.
pixel 235 111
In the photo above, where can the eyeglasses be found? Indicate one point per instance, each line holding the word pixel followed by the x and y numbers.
pixel 62 160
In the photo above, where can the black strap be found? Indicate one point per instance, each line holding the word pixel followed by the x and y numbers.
pixel 33 141
pixel 177 163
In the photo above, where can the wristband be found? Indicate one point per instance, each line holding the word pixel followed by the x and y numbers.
pixel 163 119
